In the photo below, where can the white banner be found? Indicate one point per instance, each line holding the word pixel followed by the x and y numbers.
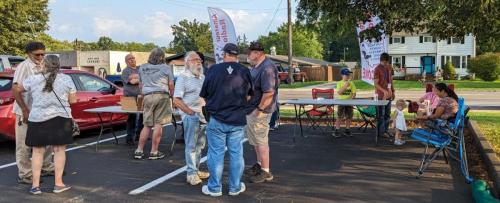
pixel 370 51
pixel 222 31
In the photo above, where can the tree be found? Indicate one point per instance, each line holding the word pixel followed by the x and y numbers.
pixel 305 41
pixel 105 43
pixel 486 66
pixel 440 18
pixel 191 36
pixel 52 44
pixel 242 43
pixel 22 21
pixel 449 71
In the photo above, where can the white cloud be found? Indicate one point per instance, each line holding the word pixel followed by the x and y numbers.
pixel 158 25
pixel 247 23
pixel 108 26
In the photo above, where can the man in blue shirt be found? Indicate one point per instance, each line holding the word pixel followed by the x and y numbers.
pixel 262 105
pixel 226 89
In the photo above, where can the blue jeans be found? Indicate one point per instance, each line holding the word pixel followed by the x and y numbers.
pixel 195 139
pixel 384 117
pixel 219 136
pixel 274 117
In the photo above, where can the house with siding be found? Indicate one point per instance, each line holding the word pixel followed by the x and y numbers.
pixel 422 52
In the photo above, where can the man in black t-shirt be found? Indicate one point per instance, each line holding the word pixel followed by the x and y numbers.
pixel 226 89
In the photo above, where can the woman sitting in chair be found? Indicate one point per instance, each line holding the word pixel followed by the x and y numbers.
pixel 447 106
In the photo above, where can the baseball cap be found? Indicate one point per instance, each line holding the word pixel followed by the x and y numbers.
pixel 255 46
pixel 345 71
pixel 231 48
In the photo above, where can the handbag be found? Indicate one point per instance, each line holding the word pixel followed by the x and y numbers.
pixel 74 125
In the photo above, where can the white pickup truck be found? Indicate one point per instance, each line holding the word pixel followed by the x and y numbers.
pixel 8 62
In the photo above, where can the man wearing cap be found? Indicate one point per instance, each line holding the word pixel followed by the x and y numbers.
pixel 346 90
pixel 262 105
pixel 226 88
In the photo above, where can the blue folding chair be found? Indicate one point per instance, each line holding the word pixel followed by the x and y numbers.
pixel 440 135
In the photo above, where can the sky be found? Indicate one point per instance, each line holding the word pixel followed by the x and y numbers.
pixel 150 20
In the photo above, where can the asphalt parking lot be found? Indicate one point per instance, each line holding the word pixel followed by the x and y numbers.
pixel 314 169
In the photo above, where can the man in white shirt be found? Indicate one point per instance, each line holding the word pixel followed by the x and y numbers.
pixel 33 64
pixel 187 99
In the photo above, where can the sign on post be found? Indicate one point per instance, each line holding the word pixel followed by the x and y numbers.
pixel 222 31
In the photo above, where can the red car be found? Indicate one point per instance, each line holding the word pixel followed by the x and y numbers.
pixel 92 92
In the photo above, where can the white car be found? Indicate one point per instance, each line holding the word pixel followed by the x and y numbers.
pixel 8 62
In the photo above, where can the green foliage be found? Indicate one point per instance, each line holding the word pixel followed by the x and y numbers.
pixel 486 66
pixel 440 18
pixel 305 41
pixel 21 22
pixel 243 43
pixel 449 71
pixel 191 36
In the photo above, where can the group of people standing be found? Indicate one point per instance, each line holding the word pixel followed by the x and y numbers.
pixel 219 107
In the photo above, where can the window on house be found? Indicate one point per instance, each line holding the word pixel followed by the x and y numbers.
pixel 455 61
pixel 455 40
pixel 396 61
pixel 427 38
pixel 396 40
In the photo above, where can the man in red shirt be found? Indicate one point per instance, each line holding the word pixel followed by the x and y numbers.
pixel 385 91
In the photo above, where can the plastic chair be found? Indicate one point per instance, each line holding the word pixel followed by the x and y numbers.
pixel 319 112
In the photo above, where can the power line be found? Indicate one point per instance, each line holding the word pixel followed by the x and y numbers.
pixel 274 16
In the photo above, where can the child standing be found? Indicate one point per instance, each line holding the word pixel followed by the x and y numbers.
pixel 346 90
pixel 399 122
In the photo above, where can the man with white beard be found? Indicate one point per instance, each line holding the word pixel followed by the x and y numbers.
pixel 187 99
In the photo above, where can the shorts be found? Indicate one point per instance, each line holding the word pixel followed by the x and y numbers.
pixel 157 110
pixel 257 129
pixel 345 112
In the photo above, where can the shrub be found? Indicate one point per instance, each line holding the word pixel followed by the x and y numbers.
pixel 449 71
pixel 486 66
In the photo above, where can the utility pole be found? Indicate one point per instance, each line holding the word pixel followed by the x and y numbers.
pixel 290 69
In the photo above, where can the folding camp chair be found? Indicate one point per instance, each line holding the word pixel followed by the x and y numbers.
pixel 368 114
pixel 440 135
pixel 319 112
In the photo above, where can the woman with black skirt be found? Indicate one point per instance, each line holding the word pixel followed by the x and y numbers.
pixel 49 119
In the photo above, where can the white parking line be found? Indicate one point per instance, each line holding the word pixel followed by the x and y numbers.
pixel 166 177
pixel 78 147
pixel 71 149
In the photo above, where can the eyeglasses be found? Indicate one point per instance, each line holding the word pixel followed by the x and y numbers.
pixel 42 54
pixel 195 60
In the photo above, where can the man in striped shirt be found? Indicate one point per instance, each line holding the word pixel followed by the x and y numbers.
pixel 187 99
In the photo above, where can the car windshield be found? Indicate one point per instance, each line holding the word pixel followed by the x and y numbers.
pixel 5 84
pixel 15 61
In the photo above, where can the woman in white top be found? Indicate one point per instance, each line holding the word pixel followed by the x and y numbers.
pixel 49 120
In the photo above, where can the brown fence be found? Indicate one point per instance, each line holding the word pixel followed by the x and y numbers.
pixel 327 73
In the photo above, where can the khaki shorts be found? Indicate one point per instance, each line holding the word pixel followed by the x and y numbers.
pixel 157 109
pixel 257 129
pixel 345 112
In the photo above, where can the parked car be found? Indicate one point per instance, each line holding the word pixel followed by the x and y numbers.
pixel 297 75
pixel 9 63
pixel 92 92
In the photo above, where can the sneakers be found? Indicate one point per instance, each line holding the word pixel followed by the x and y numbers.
pixel 206 191
pixel 193 179
pixel 203 174
pixel 157 155
pixel 253 170
pixel 59 189
pixel 138 155
pixel 336 134
pixel 262 176
pixel 35 191
pixel 242 189
pixel 399 142
pixel 347 133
